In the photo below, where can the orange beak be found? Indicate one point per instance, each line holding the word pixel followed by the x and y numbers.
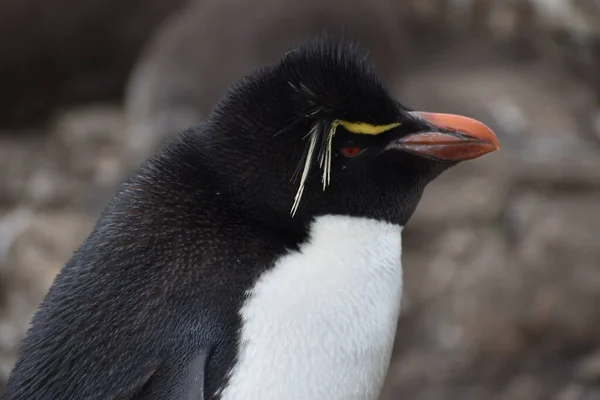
pixel 452 138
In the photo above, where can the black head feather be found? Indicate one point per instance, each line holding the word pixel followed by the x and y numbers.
pixel 261 132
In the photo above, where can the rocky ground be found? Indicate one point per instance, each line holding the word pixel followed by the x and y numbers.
pixel 502 259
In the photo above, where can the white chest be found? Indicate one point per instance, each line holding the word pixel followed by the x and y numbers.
pixel 321 324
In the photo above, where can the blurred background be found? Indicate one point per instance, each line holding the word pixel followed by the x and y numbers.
pixel 502 259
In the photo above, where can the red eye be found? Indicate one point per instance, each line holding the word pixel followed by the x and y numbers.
pixel 351 151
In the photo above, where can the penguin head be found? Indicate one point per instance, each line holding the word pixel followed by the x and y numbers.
pixel 319 133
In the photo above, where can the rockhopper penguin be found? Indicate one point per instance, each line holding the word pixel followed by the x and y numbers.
pixel 258 255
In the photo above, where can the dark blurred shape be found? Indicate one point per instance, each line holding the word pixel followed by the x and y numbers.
pixel 60 52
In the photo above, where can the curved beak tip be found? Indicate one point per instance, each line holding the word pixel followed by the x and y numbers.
pixel 457 138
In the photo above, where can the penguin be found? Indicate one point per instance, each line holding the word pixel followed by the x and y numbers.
pixel 257 255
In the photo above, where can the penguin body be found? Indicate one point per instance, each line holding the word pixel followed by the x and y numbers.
pixel 256 256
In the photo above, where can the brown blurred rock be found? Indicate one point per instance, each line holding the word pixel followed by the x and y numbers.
pixel 67 51
pixel 589 369
pixel 563 31
pixel 52 188
pixel 77 163
pixel 491 298
pixel 34 246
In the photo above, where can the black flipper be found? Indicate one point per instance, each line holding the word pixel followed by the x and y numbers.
pixel 177 381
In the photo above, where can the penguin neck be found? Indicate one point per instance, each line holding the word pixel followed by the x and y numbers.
pixel 321 322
